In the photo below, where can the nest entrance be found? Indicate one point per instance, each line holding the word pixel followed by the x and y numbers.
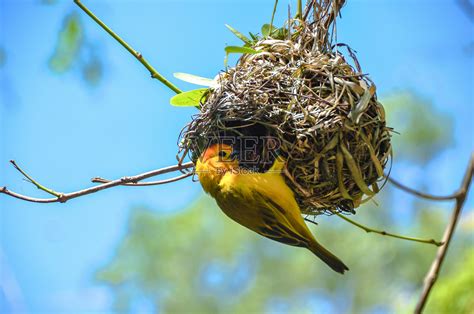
pixel 322 111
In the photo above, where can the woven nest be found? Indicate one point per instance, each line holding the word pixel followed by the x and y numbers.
pixel 323 111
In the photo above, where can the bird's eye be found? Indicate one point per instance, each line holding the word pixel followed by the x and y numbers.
pixel 222 153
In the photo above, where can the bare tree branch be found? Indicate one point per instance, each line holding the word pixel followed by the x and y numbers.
pixel 64 197
pixel 361 226
pixel 432 275
pixel 421 194
pixel 388 234
pixel 32 181
pixel 160 182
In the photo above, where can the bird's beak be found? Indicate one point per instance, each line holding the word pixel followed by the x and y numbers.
pixel 206 155
pixel 204 158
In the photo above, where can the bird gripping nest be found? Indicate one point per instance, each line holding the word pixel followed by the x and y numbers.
pixel 295 86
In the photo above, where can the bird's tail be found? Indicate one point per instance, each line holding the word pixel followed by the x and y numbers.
pixel 330 259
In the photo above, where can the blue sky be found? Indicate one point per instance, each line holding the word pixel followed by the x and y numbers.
pixel 64 132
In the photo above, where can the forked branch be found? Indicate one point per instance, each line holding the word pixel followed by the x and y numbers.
pixel 60 197
pixel 160 182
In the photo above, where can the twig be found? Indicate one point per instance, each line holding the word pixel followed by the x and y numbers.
pixel 432 275
pixel 388 234
pixel 63 197
pixel 273 16
pixel 311 221
pixel 181 159
pixel 174 179
pixel 154 74
pixel 359 225
pixel 299 10
pixel 30 179
pixel 309 5
pixel 421 194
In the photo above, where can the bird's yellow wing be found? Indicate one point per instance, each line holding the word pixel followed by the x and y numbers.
pixel 264 203
pixel 277 223
pixel 261 214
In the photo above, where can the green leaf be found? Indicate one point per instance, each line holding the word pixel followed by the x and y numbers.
pixel 299 10
pixel 194 79
pixel 69 43
pixel 282 33
pixel 237 49
pixel 266 30
pixel 241 36
pixel 190 98
pixel 276 33
pixel 253 36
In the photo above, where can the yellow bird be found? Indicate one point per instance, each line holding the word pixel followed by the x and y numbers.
pixel 261 202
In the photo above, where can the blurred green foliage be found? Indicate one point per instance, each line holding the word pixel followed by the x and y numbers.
pixel 200 261
pixel 92 70
pixel 3 57
pixel 49 1
pixel 70 39
pixel 423 130
pixel 467 6
pixel 455 291
pixel 73 49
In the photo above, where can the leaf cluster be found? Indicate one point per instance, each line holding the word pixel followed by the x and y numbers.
pixel 194 98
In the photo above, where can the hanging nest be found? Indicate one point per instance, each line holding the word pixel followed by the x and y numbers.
pixel 302 92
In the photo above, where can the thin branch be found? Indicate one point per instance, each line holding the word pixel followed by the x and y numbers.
pixel 388 234
pixel 432 275
pixel 311 221
pixel 273 16
pixel 160 182
pixel 4 190
pixel 184 154
pixel 154 74
pixel 363 227
pixel 309 5
pixel 31 180
pixel 64 197
pixel 421 194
